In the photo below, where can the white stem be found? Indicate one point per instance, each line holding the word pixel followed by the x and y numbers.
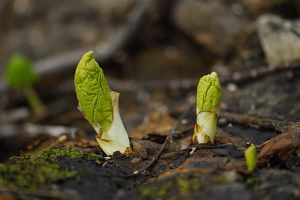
pixel 116 138
pixel 205 128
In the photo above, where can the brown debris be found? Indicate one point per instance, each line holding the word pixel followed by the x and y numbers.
pixel 156 122
pixel 282 146
pixel 261 123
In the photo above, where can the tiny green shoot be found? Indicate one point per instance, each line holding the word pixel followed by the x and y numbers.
pixel 251 158
pixel 100 106
pixel 19 74
pixel 208 101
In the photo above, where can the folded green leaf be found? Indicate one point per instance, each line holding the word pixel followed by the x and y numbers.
pixel 100 106
pixel 93 93
pixel 209 93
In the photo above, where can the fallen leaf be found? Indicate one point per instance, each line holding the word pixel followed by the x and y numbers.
pixel 282 145
pixel 156 122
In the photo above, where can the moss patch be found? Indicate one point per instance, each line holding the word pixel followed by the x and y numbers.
pixel 185 185
pixel 253 182
pixel 41 169
pixel 182 184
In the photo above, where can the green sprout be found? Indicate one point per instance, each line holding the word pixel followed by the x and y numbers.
pixel 250 157
pixel 19 74
pixel 208 101
pixel 100 106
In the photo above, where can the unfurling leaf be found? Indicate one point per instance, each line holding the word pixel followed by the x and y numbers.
pixel 93 93
pixel 100 106
pixel 208 101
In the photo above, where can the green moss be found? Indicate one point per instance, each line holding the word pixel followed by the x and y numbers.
pixel 91 156
pixel 156 191
pixel 65 152
pixel 183 184
pixel 222 180
pixel 187 185
pixel 41 169
pixel 253 182
pixel 72 152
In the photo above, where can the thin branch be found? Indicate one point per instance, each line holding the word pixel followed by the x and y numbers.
pixel 9 130
pixel 261 123
pixel 163 147
pixel 189 83
pixel 67 61
pixel 253 74
pixel 206 146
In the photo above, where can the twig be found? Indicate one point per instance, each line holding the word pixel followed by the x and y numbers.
pixel 154 159
pixel 177 123
pixel 67 61
pixel 163 147
pixel 261 123
pixel 295 31
pixel 253 74
pixel 186 84
pixel 206 146
pixel 129 85
pixel 30 129
pixel 14 115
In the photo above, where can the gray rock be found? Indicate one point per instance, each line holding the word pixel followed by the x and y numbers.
pixel 280 39
pixel 211 23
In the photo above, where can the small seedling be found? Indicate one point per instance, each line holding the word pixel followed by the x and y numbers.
pixel 208 101
pixel 250 157
pixel 100 106
pixel 20 74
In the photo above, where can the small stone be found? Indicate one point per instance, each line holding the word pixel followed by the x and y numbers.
pixel 135 160
pixel 231 87
pixel 237 76
pixel 193 150
pixel 107 158
pixel 213 24
pixel 279 39
pixel 222 122
pixel 289 75
pixel 231 176
pixel 171 52
pixel 184 121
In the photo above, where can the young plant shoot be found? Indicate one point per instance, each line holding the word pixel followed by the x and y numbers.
pixel 208 101
pixel 251 158
pixel 20 74
pixel 100 106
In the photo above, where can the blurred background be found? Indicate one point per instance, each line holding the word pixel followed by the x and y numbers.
pixel 151 51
